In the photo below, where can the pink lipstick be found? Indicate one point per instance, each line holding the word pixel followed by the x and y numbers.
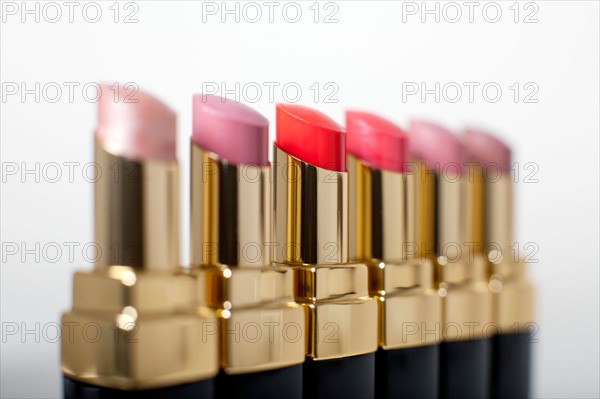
pixel 311 236
pixel 382 226
pixel 512 313
pixel 128 295
pixel 231 254
pixel 461 276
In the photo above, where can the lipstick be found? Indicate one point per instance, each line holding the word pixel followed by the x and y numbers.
pixel 136 328
pixel 461 274
pixel 311 236
pixel 261 328
pixel 490 189
pixel 382 234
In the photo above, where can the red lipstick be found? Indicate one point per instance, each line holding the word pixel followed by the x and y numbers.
pixel 311 136
pixel 382 234
pixel 311 236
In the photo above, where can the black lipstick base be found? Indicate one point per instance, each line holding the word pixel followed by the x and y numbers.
pixel 511 359
pixel 281 383
pixel 348 377
pixel 407 373
pixel 465 369
pixel 79 390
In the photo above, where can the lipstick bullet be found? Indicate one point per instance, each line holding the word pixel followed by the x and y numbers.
pixel 382 234
pixel 146 328
pixel 461 274
pixel 261 328
pixel 311 236
pixel 490 191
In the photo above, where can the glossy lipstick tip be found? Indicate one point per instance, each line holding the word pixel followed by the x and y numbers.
pixel 135 125
pixel 376 140
pixel 486 149
pixel 435 146
pixel 311 136
pixel 232 131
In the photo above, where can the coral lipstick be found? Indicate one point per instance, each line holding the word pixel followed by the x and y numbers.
pixel 311 236
pixel 512 293
pixel 461 279
pixel 382 225
pixel 128 296
pixel 261 328
pixel 300 126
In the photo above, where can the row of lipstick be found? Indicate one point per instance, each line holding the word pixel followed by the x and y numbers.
pixel 381 273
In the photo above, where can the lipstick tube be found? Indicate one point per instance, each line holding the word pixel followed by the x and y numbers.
pixel 144 331
pixel 382 234
pixel 311 235
pixel 461 274
pixel 490 190
pixel 261 328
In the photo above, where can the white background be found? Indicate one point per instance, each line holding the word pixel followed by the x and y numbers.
pixel 174 50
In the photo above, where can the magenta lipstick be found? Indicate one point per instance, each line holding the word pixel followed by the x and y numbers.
pixel 382 234
pixel 261 328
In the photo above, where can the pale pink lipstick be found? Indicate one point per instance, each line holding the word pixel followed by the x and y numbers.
pixel 434 145
pixel 486 150
pixel 136 125
pixel 233 131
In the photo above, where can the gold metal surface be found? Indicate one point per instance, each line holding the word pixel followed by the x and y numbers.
pixel 137 212
pixel 410 310
pixel 467 301
pixel 230 212
pixel 460 275
pixel 311 235
pixel 474 207
pixel 383 212
pixel 512 292
pixel 311 208
pixel 512 295
pixel 261 328
pixel 425 209
pixel 137 330
pixel 341 319
pixel 498 213
pixel 137 323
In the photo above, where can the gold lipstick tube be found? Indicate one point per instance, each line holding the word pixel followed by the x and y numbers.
pixel 382 225
pixel 444 218
pixel 136 322
pixel 311 234
pixel 512 292
pixel 261 328
pixel 383 234
pixel 461 275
